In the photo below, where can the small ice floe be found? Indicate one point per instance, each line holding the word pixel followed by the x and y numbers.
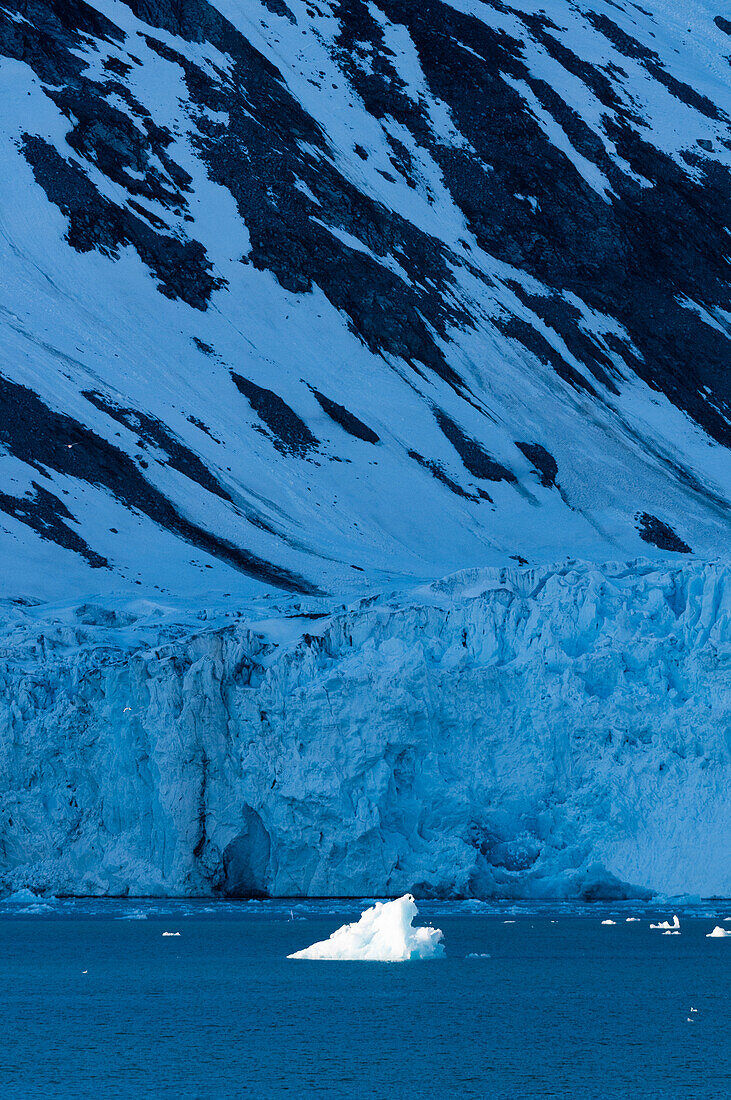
pixel 694 1010
pixel 134 914
pixel 86 972
pixel 629 920
pixel 508 922
pixel 718 933
pixel 609 921
pixel 670 932
pixel 171 933
pixel 479 955
pixel 666 926
pixel 383 934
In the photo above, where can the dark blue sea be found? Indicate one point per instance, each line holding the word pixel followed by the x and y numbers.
pixel 96 1002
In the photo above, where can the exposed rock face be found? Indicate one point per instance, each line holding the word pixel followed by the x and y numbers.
pixel 297 292
pixel 558 732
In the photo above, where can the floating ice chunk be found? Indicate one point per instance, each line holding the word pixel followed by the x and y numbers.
pixel 383 934
pixel 670 932
pixel 609 922
pixel 694 1010
pixel 718 933
pixel 628 920
pixel 484 955
pixel 508 922
pixel 171 933
pixel 667 926
pixel 21 897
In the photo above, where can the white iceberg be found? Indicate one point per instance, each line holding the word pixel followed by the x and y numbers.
pixel 667 926
pixel 718 933
pixel 384 933
pixel 609 922
pixel 631 920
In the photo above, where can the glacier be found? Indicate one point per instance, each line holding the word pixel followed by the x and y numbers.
pixel 364 428
pixel 516 732
pixel 384 933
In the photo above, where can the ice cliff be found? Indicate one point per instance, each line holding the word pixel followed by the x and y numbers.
pixel 561 731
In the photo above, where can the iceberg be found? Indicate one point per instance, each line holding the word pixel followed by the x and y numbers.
pixel 20 897
pixel 718 933
pixel 384 933
pixel 666 926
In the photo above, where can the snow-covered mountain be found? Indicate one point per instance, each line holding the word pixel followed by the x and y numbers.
pixel 304 306
pixel 322 295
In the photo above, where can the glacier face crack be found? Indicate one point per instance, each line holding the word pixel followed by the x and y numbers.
pixel 552 732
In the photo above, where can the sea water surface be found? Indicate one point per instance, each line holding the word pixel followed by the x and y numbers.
pixel 531 1001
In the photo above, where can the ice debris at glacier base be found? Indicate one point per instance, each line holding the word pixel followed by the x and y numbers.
pixel 384 933
pixel 556 732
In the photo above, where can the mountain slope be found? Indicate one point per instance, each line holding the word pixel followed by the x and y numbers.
pixel 323 295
